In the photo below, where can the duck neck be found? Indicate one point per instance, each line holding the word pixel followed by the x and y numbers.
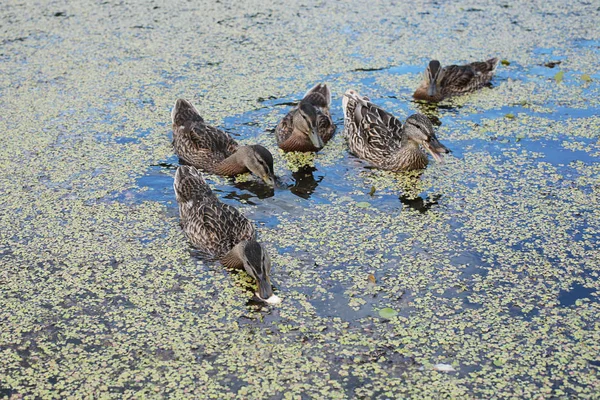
pixel 297 142
pixel 409 157
pixel 233 259
pixel 421 94
pixel 232 165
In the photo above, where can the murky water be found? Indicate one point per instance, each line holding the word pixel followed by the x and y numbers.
pixel 300 191
pixel 488 262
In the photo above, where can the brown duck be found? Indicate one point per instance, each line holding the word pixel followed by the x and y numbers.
pixel 308 126
pixel 378 137
pixel 212 150
pixel 443 82
pixel 220 231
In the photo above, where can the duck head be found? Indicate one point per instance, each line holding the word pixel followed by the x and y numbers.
pixel 258 265
pixel 259 161
pixel 418 129
pixel 305 121
pixel 433 76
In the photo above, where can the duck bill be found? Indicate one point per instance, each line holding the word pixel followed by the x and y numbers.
pixel 265 291
pixel 315 139
pixel 431 89
pixel 436 149
pixel 269 180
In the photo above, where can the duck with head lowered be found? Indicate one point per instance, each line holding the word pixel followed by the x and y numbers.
pixel 212 150
pixel 220 231
pixel 378 137
pixel 443 82
pixel 308 126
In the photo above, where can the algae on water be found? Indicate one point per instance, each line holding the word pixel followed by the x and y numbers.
pixel 480 258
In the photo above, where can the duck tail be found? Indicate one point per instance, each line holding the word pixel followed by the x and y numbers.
pixel 319 95
pixel 352 94
pixel 486 68
pixel 183 111
pixel 189 185
pixel 353 103
pixel 492 63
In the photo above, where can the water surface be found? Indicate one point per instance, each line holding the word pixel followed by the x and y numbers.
pixel 490 259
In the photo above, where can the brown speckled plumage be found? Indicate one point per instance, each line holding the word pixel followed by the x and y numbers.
pixel 377 136
pixel 220 231
pixel 212 150
pixel 440 83
pixel 316 103
pixel 210 225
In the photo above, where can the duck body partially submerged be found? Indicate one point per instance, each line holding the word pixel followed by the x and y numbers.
pixel 219 231
pixel 378 137
pixel 440 82
pixel 308 126
pixel 212 150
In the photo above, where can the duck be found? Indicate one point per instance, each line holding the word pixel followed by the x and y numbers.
pixel 214 151
pixel 443 82
pixel 219 231
pixel 308 126
pixel 378 137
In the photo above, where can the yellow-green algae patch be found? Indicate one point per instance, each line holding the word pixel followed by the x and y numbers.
pixel 101 296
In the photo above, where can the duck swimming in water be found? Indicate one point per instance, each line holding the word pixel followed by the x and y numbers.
pixel 220 231
pixel 212 150
pixel 378 137
pixel 308 126
pixel 443 82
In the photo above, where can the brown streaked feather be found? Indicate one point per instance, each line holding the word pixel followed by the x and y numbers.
pixel 288 139
pixel 459 79
pixel 376 136
pixel 210 225
pixel 371 132
pixel 214 227
pixel 285 128
pixel 184 111
pixel 197 143
pixel 319 96
pixel 189 185
pixel 326 127
pixel 316 99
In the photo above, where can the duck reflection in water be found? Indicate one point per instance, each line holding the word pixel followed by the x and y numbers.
pixel 255 187
pixel 419 203
pixel 305 182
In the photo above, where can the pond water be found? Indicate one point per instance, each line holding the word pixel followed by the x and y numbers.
pixel 320 184
pixel 487 262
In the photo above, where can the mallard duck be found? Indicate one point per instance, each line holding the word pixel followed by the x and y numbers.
pixel 440 83
pixel 214 151
pixel 220 231
pixel 308 126
pixel 375 135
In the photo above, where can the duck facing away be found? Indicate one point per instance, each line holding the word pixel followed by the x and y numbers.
pixel 308 126
pixel 375 135
pixel 220 231
pixel 214 151
pixel 442 82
